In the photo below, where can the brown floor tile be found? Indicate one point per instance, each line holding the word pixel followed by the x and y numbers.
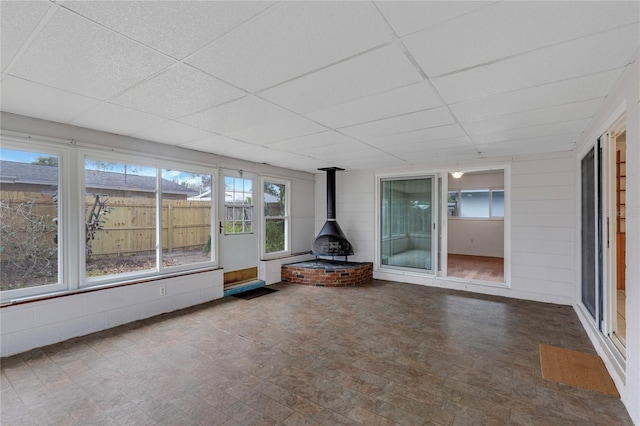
pixel 380 353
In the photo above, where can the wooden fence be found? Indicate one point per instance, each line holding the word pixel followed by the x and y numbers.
pixel 131 222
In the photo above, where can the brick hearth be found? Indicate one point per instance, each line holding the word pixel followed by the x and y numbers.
pixel 325 273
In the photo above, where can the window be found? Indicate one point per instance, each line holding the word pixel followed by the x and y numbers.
pixel 186 217
pixel 476 203
pixel 124 219
pixel 29 200
pixel 276 216
pixel 238 200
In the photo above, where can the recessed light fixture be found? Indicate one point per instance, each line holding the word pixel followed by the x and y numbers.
pixel 457 175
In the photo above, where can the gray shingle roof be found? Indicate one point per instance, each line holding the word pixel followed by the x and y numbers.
pixel 14 172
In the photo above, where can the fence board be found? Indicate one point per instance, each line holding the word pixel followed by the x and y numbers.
pixel 130 225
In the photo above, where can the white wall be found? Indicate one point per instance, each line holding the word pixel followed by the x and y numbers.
pixel 542 225
pixel 31 325
pixel 625 97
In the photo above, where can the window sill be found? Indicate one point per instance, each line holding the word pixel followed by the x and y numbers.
pixel 102 286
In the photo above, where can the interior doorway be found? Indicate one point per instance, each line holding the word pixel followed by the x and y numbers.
pixel 475 225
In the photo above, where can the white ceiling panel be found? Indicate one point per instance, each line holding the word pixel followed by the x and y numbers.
pixel 407 17
pixel 216 144
pixel 566 112
pixel 509 28
pixel 430 145
pixel 403 123
pixel 175 28
pixel 243 113
pixel 593 86
pixel 304 85
pixel 416 136
pixel 172 133
pixel 292 39
pixel 604 51
pixel 404 100
pixel 116 119
pixel 18 20
pixel 531 146
pixel 374 72
pixel 99 64
pixel 306 143
pixel 564 128
pixel 292 127
pixel 178 91
pixel 31 99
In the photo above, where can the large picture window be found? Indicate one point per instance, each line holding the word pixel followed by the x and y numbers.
pixel 276 216
pixel 98 220
pixel 29 201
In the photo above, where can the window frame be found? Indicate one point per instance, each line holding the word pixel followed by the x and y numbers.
pixel 71 215
pixel 251 206
pixel 287 218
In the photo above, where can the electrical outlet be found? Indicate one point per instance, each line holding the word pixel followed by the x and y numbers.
pixel 163 291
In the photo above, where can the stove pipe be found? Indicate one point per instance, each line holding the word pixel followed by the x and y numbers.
pixel 331 241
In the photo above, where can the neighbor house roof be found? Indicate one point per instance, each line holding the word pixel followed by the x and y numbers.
pixel 15 172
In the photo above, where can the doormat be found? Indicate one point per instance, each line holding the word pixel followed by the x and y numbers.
pixel 256 292
pixel 577 369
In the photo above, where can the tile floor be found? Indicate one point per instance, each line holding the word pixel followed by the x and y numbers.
pixel 377 354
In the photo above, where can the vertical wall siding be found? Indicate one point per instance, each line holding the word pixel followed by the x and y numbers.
pixel 542 227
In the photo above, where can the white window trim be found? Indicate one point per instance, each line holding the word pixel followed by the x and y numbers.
pixel 286 217
pixel 71 214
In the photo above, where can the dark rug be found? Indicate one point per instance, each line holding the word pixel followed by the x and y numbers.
pixel 256 292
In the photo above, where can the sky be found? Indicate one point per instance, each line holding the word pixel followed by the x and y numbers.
pixel 173 175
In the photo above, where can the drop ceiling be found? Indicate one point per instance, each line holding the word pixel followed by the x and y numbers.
pixel 303 85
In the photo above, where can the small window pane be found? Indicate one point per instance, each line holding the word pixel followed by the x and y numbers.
pixel 474 203
pixel 238 205
pixel 275 235
pixel 29 217
pixel 186 218
pixel 453 204
pixel 497 203
pixel 274 199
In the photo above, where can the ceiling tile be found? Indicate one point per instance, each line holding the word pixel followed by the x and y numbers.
pixel 172 27
pixel 18 20
pixel 292 39
pixel 403 123
pixel 418 136
pixel 240 114
pixel 510 28
pixel 306 164
pixel 604 51
pixel 430 145
pixel 216 144
pixel 458 153
pixel 99 63
pixel 172 133
pixel 404 100
pixel 554 114
pixel 305 143
pixel 380 162
pixel 116 119
pixel 178 91
pixel 407 17
pixel 291 127
pixel 588 87
pixel 563 128
pixel 35 100
pixel 374 72
pixel 554 143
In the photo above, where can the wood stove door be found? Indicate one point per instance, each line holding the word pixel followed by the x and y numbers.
pixel 238 225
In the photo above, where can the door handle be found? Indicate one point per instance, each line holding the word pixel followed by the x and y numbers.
pixel 220 229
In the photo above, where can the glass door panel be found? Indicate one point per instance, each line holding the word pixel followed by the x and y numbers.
pixel 407 223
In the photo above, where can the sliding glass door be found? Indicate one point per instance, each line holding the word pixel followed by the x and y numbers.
pixel 407 223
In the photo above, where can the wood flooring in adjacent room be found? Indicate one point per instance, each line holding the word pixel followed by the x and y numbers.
pixel 382 353
pixel 481 268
